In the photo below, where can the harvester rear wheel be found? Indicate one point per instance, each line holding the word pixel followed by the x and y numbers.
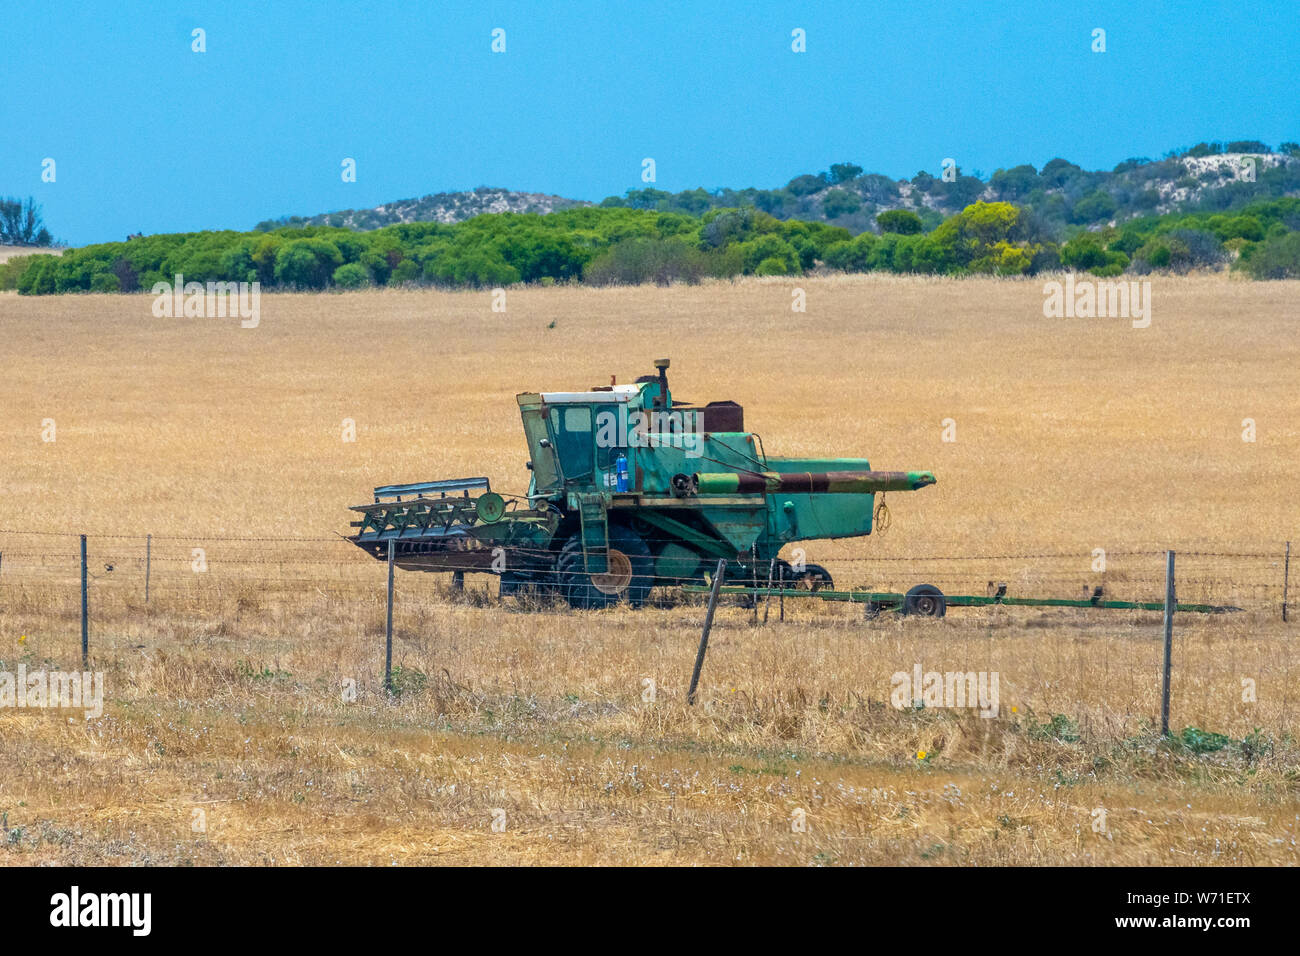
pixel 628 574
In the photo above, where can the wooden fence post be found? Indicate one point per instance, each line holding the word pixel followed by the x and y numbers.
pixel 1169 642
pixel 780 585
pixel 708 623
pixel 1286 579
pixel 85 607
pixel 767 598
pixel 388 626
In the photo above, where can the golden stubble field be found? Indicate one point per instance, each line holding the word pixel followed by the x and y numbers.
pixel 225 737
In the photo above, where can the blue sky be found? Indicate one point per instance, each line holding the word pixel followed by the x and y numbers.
pixel 149 136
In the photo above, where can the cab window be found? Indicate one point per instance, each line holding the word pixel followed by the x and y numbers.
pixel 543 458
pixel 571 425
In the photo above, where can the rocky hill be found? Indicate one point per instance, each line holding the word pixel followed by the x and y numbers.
pixel 1208 177
pixel 1212 177
pixel 440 207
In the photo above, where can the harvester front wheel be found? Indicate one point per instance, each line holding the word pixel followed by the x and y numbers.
pixel 628 574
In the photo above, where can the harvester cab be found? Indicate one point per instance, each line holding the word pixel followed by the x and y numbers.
pixel 580 441
pixel 628 490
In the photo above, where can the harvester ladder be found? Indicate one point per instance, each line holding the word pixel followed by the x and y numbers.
pixel 595 531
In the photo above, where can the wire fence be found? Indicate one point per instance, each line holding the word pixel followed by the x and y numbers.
pixel 262 591
pixel 126 571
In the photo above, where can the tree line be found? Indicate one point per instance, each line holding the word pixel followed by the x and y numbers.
pixel 620 245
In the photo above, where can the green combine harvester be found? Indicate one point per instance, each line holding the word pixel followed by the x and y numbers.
pixel 631 490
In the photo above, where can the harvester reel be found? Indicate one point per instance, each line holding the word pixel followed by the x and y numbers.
pixel 490 507
pixel 628 574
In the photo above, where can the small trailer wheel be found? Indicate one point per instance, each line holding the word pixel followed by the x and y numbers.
pixel 925 600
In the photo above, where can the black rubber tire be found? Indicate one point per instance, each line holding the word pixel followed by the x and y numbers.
pixel 575 582
pixel 813 577
pixel 528 588
pixel 567 565
pixel 925 600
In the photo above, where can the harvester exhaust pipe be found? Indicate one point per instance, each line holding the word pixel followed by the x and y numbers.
pixel 823 482
pixel 662 366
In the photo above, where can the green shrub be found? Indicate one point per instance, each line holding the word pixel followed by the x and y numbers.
pixel 1153 255
pixel 968 236
pixel 840 202
pixel 1129 241
pixel 263 257
pixel 904 222
pixel 1242 227
pixel 1116 263
pixel 844 172
pixel 1097 206
pixel 478 268
pixel 306 263
pixel 724 226
pixel 1202 741
pixel 1015 183
pixel 1047 257
pixel 11 271
pixel 769 246
pixel 1059 171
pixel 1276 258
pixel 637 261
pixel 1059 727
pixel 128 279
pixel 1088 251
pixel 915 253
pixel 351 275
pixel 405 272
pixel 853 256
pixel 771 267
pixel 38 277
pixel 408 680
pixel 805 185
pixel 1005 259
pixel 1084 251
pixel 1203 249
pixel 1180 250
pixel 1147 199
pixel 105 282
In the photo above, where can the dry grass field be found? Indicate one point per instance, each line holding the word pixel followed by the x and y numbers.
pixel 225 736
